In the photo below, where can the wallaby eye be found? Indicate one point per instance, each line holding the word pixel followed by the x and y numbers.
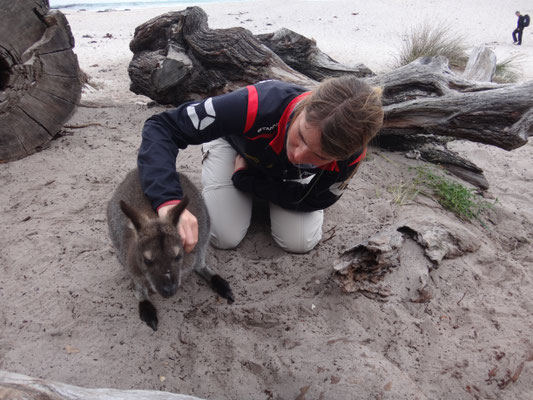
pixel 148 262
pixel 178 257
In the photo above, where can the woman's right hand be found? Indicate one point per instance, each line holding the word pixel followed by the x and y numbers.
pixel 187 227
pixel 240 163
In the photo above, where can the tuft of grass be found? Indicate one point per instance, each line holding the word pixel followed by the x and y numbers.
pixel 426 40
pixel 465 203
pixel 508 71
pixel 403 193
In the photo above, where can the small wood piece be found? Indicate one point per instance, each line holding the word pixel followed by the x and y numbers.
pixel 460 167
pixel 361 267
pixel 17 386
pixel 481 65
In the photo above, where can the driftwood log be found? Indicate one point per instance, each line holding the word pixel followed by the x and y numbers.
pixel 177 57
pixel 425 97
pixel 301 54
pixel 22 387
pixel 39 84
pixel 426 105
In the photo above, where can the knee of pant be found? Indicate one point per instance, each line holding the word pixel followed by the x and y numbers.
pixel 227 240
pixel 299 245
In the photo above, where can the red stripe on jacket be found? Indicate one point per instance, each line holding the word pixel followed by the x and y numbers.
pixel 332 166
pixel 279 140
pixel 360 158
pixel 253 105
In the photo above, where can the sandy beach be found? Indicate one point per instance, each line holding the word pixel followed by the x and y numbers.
pixel 68 312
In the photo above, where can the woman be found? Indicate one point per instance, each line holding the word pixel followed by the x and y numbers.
pixel 274 140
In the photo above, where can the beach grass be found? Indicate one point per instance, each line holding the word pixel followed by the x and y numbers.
pixel 425 40
pixel 451 195
pixel 403 193
pixel 508 70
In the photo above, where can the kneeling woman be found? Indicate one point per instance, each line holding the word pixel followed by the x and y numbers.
pixel 297 149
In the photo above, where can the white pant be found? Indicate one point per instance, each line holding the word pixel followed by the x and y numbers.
pixel 230 209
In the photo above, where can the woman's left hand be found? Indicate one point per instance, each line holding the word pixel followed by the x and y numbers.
pixel 240 163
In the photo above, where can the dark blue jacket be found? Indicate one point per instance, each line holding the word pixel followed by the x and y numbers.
pixel 521 21
pixel 254 120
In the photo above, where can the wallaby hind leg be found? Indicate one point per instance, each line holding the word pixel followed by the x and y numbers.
pixel 222 287
pixel 147 311
pixel 218 284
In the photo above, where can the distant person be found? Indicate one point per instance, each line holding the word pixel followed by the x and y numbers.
pixel 523 21
pixel 295 148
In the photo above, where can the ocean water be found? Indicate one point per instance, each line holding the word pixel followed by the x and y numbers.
pixel 96 5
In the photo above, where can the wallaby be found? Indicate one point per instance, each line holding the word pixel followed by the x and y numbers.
pixel 150 247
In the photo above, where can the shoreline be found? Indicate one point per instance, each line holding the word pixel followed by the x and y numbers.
pixel 108 6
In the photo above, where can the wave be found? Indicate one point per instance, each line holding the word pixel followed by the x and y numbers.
pixel 120 5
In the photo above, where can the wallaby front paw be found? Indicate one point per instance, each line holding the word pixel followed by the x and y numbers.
pixel 148 314
pixel 221 286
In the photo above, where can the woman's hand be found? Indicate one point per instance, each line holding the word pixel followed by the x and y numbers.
pixel 187 227
pixel 240 163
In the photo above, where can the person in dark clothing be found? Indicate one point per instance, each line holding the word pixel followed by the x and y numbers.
pixel 517 33
pixel 295 148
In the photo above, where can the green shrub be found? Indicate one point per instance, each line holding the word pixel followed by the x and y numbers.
pixel 451 195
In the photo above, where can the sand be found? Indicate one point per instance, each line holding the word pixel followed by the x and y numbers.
pixel 68 312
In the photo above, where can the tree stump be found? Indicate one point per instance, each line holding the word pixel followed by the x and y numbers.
pixel 39 84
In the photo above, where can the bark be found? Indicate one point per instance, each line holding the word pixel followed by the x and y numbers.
pixel 361 267
pixel 39 84
pixel 426 98
pixel 301 54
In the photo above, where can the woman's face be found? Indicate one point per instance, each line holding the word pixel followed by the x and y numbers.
pixel 303 143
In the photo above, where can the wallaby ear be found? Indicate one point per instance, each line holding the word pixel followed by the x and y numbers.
pixel 135 217
pixel 175 213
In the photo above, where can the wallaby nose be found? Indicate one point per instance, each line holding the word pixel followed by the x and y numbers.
pixel 168 286
pixel 168 291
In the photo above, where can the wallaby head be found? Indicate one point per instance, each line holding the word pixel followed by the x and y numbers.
pixel 158 251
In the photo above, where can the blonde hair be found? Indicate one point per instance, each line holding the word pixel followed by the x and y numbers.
pixel 348 112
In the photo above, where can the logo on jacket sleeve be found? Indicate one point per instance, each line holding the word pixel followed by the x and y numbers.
pixel 338 188
pixel 202 114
